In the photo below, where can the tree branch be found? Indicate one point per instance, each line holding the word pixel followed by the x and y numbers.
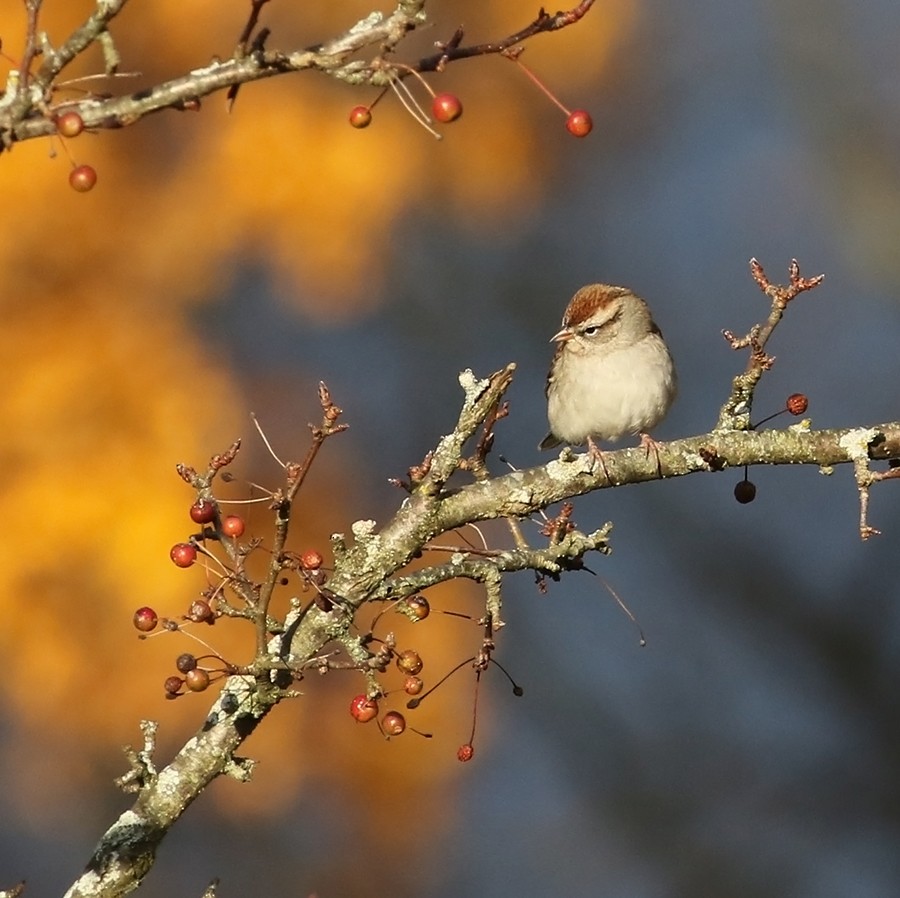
pixel 27 110
pixel 372 568
pixel 127 851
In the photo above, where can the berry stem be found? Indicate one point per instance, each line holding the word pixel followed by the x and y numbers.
pixel 540 84
pixel 405 96
pixel 415 74
pixel 381 94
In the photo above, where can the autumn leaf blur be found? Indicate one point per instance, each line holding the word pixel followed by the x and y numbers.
pixel 107 384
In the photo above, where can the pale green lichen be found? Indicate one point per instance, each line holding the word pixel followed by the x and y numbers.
pixel 362 530
pixel 856 442
pixel 367 24
pixel 570 462
pixel 521 496
pixel 472 387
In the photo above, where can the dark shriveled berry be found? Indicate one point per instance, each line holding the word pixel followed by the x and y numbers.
pixel 185 662
pixel 745 491
pixel 200 611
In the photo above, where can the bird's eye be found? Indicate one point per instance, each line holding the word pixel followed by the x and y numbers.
pixel 591 331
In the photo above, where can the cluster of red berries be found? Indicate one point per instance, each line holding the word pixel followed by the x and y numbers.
pixel 205 511
pixel 446 107
pixel 796 404
pixel 364 708
pixel 183 554
pixel 216 526
pixel 192 677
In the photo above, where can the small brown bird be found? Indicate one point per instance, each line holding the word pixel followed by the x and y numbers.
pixel 612 375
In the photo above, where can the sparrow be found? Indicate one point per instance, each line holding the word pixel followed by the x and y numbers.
pixel 611 376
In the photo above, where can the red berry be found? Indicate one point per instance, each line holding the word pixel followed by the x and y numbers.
pixel 797 403
pixel 311 560
pixel 82 178
pixel 233 525
pixel 579 123
pixel 69 124
pixel 464 752
pixel 418 607
pixel 360 117
pixel 183 554
pixel 197 679
pixel 145 619
pixel 363 709
pixel 446 107
pixel 744 491
pixel 203 511
pixel 413 685
pixel 409 662
pixel 393 723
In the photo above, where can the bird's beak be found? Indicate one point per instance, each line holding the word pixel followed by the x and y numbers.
pixel 562 336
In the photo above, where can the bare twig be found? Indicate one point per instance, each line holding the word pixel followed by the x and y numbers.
pixel 544 23
pixel 241 50
pixel 296 475
pixel 735 413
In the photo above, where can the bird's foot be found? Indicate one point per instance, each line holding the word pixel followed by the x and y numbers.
pixel 597 455
pixel 648 444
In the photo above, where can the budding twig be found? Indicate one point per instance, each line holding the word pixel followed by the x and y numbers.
pixel 735 413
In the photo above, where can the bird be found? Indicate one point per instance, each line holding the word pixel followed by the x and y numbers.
pixel 612 374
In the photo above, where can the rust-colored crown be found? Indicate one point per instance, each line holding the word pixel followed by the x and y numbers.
pixel 588 300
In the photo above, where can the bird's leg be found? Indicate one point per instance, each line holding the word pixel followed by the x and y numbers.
pixel 597 454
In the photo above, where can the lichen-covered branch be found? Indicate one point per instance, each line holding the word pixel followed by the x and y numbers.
pixel 127 850
pixel 371 567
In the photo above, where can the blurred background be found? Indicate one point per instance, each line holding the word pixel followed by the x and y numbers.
pixel 224 264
